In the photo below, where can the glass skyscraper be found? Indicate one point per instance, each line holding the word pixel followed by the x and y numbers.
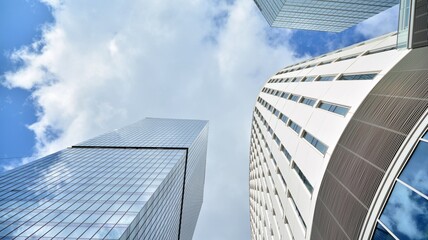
pixel 144 181
pixel 332 16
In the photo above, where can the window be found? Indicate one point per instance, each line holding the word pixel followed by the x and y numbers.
pixel 285 95
pixel 315 142
pixel 325 62
pixel 270 130
pixel 347 57
pixel 297 211
pixel 334 108
pixel 275 112
pixel 286 153
pixel 303 178
pixel 358 76
pixel 325 78
pixel 284 184
pixel 308 79
pixel 295 127
pixel 283 118
pixel 294 98
pixel 308 101
pixel 276 140
pixel 380 50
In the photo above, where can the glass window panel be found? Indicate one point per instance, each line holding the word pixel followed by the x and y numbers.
pixel 127 219
pixel 325 78
pixel 381 234
pixel 114 219
pixel 406 214
pixel 53 232
pixel 115 233
pixel 102 232
pixel 66 231
pixel 358 77
pixel 77 232
pixel 90 232
pixel 42 231
pixel 303 178
pixel 416 171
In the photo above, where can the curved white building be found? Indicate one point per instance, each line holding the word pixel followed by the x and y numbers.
pixel 330 137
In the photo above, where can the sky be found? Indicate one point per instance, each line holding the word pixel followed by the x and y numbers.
pixel 73 69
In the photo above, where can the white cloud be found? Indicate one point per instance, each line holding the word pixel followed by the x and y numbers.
pixel 101 66
pixel 382 23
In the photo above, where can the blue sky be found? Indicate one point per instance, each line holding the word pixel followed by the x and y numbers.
pixel 20 24
pixel 71 70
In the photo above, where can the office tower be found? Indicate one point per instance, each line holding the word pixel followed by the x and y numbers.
pixel 144 181
pixel 339 146
pixel 332 16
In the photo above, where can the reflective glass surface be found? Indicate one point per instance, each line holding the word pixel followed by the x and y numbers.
pixel 405 214
pixel 152 132
pixel 334 108
pixel 332 16
pixel 111 191
pixel 315 142
pixel 382 234
pixel 416 171
pixel 96 192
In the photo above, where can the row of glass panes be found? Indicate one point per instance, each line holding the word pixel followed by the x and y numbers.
pixel 294 166
pixel 321 147
pixel 369 52
pixel 325 78
pixel 54 175
pixel 274 162
pixel 331 107
pixel 288 156
pixel 297 129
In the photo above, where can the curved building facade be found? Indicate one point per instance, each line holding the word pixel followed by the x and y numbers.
pixel 330 139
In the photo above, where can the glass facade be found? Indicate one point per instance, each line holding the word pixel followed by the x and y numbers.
pixel 333 16
pixel 405 215
pixel 107 189
pixel 403 24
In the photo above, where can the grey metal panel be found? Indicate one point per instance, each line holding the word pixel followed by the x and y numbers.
pixel 368 145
